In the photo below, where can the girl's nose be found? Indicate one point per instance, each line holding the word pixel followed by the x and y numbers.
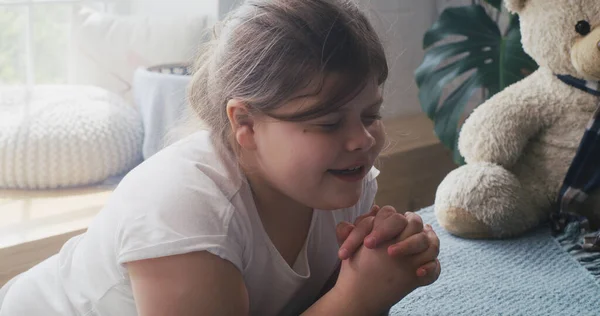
pixel 360 139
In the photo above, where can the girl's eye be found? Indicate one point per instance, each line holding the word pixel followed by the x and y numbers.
pixel 330 127
pixel 370 119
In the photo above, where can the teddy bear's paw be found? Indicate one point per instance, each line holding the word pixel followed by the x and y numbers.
pixel 462 223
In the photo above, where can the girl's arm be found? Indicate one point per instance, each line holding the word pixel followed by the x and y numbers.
pixel 188 284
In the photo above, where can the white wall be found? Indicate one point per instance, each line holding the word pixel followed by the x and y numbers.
pixel 175 7
pixel 226 5
pixel 401 25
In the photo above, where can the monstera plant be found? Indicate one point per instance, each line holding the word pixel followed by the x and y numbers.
pixel 466 45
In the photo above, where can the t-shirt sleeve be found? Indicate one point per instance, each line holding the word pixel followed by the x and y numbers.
pixel 175 219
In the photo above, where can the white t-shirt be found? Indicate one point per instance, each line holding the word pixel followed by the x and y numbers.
pixel 185 198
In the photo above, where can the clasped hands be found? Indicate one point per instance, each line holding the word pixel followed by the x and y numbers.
pixel 386 255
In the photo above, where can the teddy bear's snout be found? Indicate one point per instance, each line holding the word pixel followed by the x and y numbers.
pixel 585 55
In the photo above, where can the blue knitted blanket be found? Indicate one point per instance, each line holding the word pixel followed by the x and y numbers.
pixel 532 275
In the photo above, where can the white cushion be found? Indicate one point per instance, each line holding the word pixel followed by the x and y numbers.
pixel 65 136
pixel 108 48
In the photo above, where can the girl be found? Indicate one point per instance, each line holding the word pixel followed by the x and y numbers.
pixel 241 219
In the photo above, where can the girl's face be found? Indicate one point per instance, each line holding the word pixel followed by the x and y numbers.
pixel 320 163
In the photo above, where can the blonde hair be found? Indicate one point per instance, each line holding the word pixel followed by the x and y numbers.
pixel 266 50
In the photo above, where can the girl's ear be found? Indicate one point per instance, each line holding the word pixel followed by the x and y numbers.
pixel 515 6
pixel 242 123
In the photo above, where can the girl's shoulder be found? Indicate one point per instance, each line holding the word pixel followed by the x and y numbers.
pixel 178 200
pixel 191 163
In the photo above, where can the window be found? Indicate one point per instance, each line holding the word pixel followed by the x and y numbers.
pixel 35 36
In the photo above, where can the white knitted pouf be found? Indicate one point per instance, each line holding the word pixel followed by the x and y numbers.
pixel 65 136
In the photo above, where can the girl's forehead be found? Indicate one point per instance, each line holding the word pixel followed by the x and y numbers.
pixel 320 91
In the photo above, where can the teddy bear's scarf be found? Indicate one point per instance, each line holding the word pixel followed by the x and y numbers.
pixel 583 175
pixel 592 87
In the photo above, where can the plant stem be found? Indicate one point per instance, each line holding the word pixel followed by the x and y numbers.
pixel 498 14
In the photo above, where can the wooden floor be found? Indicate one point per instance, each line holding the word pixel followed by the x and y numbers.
pixel 35 224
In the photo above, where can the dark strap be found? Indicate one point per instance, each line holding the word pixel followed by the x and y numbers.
pixel 583 176
pixel 591 87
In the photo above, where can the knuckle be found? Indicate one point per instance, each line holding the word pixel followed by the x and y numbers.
pixel 435 249
pixel 433 239
pixel 388 208
pixel 360 218
pixel 384 214
pixel 399 218
pixel 342 225
pixel 366 224
pixel 351 241
pixel 414 219
pixel 423 239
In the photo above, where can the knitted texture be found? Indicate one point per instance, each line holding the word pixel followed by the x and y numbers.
pixel 530 275
pixel 65 136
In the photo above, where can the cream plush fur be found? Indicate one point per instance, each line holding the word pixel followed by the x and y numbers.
pixel 519 144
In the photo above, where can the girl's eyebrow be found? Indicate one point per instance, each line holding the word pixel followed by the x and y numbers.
pixel 370 106
pixel 376 103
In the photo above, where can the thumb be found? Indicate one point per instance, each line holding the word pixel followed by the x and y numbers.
pixel 374 210
pixel 342 231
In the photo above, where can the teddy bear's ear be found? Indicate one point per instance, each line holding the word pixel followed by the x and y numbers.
pixel 515 6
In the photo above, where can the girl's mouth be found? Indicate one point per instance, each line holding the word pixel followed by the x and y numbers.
pixel 349 175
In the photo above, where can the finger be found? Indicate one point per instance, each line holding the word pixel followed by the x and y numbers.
pixel 414 226
pixel 386 227
pixel 372 212
pixel 431 277
pixel 342 231
pixel 384 213
pixel 432 236
pixel 427 268
pixel 414 244
pixel 356 237
pixel 428 255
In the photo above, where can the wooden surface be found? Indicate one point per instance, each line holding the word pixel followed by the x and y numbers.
pixel 30 215
pixel 413 164
pixel 35 224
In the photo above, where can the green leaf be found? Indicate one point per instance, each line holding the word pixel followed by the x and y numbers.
pixel 517 64
pixel 465 42
pixel 470 21
pixel 445 124
pixel 495 3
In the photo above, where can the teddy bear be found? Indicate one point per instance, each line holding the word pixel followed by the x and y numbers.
pixel 519 145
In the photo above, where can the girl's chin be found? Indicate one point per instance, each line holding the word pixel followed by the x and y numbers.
pixel 338 203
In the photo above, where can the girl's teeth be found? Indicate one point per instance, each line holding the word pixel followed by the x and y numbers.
pixel 344 171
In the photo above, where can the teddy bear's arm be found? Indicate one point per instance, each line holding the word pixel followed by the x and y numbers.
pixel 498 130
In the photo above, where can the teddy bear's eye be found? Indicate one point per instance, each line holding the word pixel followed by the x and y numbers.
pixel 583 27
